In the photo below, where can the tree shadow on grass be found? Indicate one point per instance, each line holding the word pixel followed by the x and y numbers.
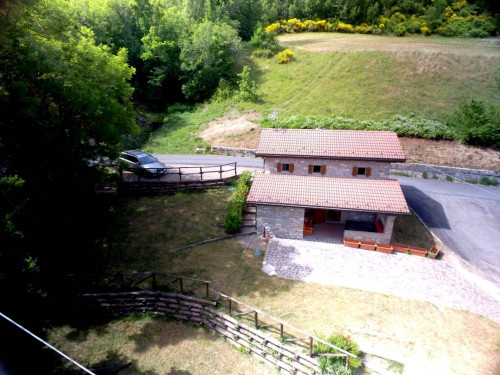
pixel 167 332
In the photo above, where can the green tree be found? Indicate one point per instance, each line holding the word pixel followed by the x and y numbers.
pixel 478 123
pixel 161 55
pixel 211 53
pixel 64 101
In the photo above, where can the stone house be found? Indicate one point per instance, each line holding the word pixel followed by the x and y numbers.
pixel 328 183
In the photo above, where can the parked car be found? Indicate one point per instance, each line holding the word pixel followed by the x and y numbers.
pixel 142 163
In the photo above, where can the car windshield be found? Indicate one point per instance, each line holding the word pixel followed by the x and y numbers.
pixel 146 159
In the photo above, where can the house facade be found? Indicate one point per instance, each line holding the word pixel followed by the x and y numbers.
pixel 316 181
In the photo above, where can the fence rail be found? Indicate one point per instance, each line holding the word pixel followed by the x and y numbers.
pixel 176 174
pixel 145 281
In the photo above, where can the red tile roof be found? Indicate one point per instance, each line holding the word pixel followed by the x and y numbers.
pixel 337 144
pixel 351 194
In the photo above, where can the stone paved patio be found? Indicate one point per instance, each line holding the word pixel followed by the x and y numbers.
pixel 397 274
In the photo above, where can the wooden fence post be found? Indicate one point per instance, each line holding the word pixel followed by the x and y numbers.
pixel 220 167
pixel 207 289
pixel 180 174
pixel 230 307
pixel 281 331
pixel 180 283
pixel 201 173
pixel 256 318
pixel 310 346
pixel 154 281
pixel 235 173
pixel 122 281
pixel 347 362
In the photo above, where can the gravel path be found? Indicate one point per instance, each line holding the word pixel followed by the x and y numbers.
pixel 397 274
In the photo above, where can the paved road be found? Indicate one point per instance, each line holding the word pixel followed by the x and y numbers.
pixel 465 217
pixel 209 160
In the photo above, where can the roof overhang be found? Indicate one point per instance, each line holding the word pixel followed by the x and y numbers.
pixel 264 155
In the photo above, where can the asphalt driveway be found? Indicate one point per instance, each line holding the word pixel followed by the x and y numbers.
pixel 465 217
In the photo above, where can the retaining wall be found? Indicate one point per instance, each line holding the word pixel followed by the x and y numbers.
pixel 233 151
pixel 439 172
pixel 257 343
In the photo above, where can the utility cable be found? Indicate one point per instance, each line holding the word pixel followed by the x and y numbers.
pixel 46 343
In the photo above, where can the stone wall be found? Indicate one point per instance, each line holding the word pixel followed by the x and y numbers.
pixel 334 168
pixel 233 151
pixel 439 172
pixel 280 221
pixel 382 238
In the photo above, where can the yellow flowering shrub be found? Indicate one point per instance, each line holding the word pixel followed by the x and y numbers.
pixel 284 57
pixel 344 28
pixel 364 29
pixel 425 31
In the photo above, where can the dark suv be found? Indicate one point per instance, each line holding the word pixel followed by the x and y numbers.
pixel 143 164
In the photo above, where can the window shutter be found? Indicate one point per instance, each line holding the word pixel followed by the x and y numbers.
pixel 310 170
pixel 278 167
pixel 368 172
pixel 291 168
pixel 323 169
pixel 355 171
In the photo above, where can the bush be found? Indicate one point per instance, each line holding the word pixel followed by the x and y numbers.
pixel 264 43
pixel 477 123
pixel 485 180
pixel 334 364
pixel 409 126
pixel 344 28
pixel 285 56
pixel 247 87
pixel 234 216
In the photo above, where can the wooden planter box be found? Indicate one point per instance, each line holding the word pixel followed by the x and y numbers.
pixel 365 245
pixel 420 251
pixel 434 251
pixel 399 247
pixel 351 243
pixel 381 248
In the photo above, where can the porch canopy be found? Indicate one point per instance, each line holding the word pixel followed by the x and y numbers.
pixel 370 195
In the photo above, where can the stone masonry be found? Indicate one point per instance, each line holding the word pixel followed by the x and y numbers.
pixel 439 172
pixel 334 168
pixel 383 238
pixel 280 221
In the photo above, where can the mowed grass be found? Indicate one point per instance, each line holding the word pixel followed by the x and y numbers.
pixel 429 340
pixel 376 77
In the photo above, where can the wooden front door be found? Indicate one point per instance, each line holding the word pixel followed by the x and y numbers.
pixel 319 216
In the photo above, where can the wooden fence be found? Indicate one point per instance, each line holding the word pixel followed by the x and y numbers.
pixel 207 311
pixel 177 174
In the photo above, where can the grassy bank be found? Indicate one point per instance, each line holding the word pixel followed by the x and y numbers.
pixel 360 77
pixel 412 332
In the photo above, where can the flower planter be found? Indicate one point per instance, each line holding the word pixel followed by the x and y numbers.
pixel 366 245
pixel 420 251
pixel 351 243
pixel 399 247
pixel 381 248
pixel 434 251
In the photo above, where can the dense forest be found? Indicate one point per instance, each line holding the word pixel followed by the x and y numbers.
pixel 73 72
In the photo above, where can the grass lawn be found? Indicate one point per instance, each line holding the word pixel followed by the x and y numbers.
pixel 424 337
pixel 375 77
pixel 365 76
